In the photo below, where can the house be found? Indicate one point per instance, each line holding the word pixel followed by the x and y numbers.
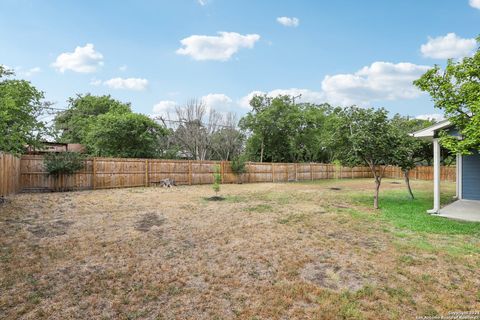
pixel 48 147
pixel 467 206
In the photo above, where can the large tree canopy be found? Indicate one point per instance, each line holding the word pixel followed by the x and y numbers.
pixel 21 104
pixel 366 136
pixel 82 110
pixel 456 90
pixel 282 131
pixel 128 135
pixel 410 151
pixel 108 127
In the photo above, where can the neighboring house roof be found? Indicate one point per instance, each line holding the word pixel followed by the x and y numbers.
pixel 430 132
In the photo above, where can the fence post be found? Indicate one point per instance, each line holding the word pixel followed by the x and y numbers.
pixel 94 176
pixel 286 172
pixel 273 171
pixel 311 171
pixel 146 172
pixel 296 169
pixel 222 170
pixel 190 173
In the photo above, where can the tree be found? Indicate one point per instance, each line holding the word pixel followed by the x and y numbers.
pixel 366 136
pixel 195 128
pixel 238 166
pixel 129 135
pixel 21 104
pixel 456 91
pixel 272 124
pixel 227 141
pixel 410 151
pixel 217 179
pixel 73 124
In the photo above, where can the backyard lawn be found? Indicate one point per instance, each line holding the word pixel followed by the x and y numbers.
pixel 313 250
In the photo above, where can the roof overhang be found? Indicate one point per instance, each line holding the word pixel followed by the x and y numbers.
pixel 429 132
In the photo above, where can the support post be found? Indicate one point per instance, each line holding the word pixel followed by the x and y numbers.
pixel 190 172
pixel 146 172
pixel 273 171
pixel 94 175
pixel 436 176
pixel 458 174
pixel 222 170
pixel 311 171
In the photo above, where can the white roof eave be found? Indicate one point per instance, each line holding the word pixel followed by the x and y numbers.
pixel 429 132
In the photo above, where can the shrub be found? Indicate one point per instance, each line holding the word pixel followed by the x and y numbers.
pixel 217 179
pixel 238 164
pixel 65 163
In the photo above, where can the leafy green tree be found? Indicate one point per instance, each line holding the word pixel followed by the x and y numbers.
pixel 456 91
pixel 217 180
pixel 21 104
pixel 238 165
pixel 73 124
pixel 366 136
pixel 129 135
pixel 410 151
pixel 280 130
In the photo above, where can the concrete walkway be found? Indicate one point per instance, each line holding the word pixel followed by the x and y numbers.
pixel 468 210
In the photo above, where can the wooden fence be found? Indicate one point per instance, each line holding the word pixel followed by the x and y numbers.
pixel 9 174
pixel 423 173
pixel 104 173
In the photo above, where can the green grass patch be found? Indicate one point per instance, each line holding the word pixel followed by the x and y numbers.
pixel 404 213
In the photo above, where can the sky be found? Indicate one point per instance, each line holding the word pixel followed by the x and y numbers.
pixel 159 54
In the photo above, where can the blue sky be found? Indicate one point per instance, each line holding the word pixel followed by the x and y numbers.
pixel 156 54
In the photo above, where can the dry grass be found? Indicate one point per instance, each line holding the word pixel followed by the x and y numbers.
pixel 269 251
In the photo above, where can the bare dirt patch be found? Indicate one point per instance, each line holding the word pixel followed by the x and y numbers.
pixel 149 220
pixel 50 229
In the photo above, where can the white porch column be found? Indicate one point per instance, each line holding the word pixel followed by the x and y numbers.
pixel 436 176
pixel 459 176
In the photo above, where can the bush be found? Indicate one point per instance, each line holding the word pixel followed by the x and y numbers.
pixel 238 164
pixel 217 179
pixel 63 163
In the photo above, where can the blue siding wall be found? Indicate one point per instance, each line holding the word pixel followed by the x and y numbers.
pixel 471 177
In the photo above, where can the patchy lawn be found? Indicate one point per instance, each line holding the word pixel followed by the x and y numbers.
pixel 269 251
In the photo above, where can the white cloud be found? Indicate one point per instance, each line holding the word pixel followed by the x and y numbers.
pixel 123 68
pixel 217 101
pixel 22 72
pixel 164 107
pixel 288 22
pixel 379 81
pixel 202 2
pixel 221 47
pixel 475 4
pixel 136 84
pixel 95 82
pixel 448 46
pixel 306 95
pixel 82 59
pixel 434 116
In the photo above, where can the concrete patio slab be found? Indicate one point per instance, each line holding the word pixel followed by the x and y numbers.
pixel 467 210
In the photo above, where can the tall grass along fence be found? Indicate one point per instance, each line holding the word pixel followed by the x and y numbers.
pixel 104 173
pixel 9 174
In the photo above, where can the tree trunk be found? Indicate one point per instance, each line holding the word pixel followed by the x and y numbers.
pixel 407 181
pixel 377 191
